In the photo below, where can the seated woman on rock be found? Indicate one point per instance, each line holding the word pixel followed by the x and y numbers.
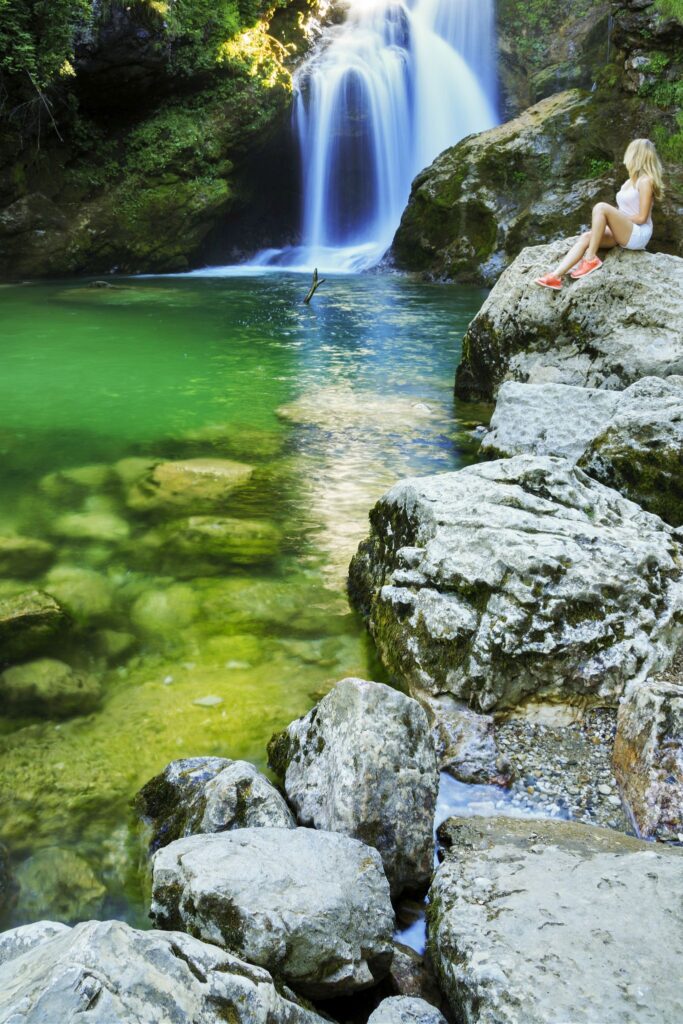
pixel 628 224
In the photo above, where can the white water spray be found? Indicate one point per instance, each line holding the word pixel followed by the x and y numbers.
pixel 385 92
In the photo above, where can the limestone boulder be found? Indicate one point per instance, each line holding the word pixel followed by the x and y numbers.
pixel 209 794
pixel 547 419
pixel 49 688
pixel 362 763
pixel 648 756
pixel 551 921
pixel 106 971
pixel 311 907
pixel 640 450
pixel 29 622
pixel 191 485
pixel 604 331
pixel 161 612
pixel 631 440
pixel 533 177
pixel 24 557
pixel 17 941
pixel 406 1010
pixel 518 579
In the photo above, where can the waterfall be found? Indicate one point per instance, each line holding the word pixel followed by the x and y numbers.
pixel 383 94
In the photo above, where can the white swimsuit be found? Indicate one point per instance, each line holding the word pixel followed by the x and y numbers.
pixel 628 201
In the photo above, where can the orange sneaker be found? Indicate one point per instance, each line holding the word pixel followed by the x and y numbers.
pixel 586 267
pixel 549 281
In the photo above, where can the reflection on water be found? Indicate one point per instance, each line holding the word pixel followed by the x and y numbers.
pixel 205 634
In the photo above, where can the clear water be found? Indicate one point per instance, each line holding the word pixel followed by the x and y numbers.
pixel 382 95
pixel 329 403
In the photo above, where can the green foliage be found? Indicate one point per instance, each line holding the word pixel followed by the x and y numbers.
pixel 670 144
pixel 533 23
pixel 597 168
pixel 36 37
pixel 670 8
pixel 657 63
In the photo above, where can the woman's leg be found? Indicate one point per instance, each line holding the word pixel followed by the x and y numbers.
pixel 574 255
pixel 604 217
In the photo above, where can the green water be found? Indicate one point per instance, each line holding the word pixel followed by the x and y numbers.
pixel 329 404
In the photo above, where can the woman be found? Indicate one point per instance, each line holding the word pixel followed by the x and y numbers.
pixel 628 224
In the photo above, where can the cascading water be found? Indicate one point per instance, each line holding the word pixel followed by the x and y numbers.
pixel 384 94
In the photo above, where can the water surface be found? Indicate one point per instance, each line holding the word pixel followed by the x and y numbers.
pixel 329 404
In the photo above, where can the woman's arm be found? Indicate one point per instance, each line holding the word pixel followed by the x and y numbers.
pixel 645 191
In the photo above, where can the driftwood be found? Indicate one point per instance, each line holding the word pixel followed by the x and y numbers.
pixel 315 284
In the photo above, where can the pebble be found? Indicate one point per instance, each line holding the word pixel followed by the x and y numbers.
pixel 208 702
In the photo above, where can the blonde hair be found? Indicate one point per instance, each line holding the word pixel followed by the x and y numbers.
pixel 641 158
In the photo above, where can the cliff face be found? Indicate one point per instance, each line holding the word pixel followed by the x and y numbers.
pixel 137 133
pixel 535 178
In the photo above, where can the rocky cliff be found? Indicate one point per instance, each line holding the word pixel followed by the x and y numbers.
pixel 133 135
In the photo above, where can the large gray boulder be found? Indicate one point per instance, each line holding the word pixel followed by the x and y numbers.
pixel 311 907
pixel 516 579
pixel 549 921
pixel 640 450
pixel 607 330
pixel 465 741
pixel 631 440
pixel 648 756
pixel 17 941
pixel 209 794
pixel 406 1010
pixel 107 973
pixel 362 762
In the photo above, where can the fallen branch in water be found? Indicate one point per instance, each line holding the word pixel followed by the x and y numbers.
pixel 315 284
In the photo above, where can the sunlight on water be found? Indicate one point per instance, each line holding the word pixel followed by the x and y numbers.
pixel 323 407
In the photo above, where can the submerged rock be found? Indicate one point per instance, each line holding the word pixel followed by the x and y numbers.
pixel 406 1010
pixel 631 440
pixel 209 794
pixel 311 907
pixel 362 762
pixel 29 622
pixel 160 612
pixel 59 884
pixel 465 741
pixel 471 211
pixel 50 688
pixel 192 485
pixel 100 526
pixel 107 971
pixel 205 545
pixel 85 594
pixel 607 330
pixel 648 757
pixel 516 579
pixel 549 921
pixel 24 557
pixel 67 485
